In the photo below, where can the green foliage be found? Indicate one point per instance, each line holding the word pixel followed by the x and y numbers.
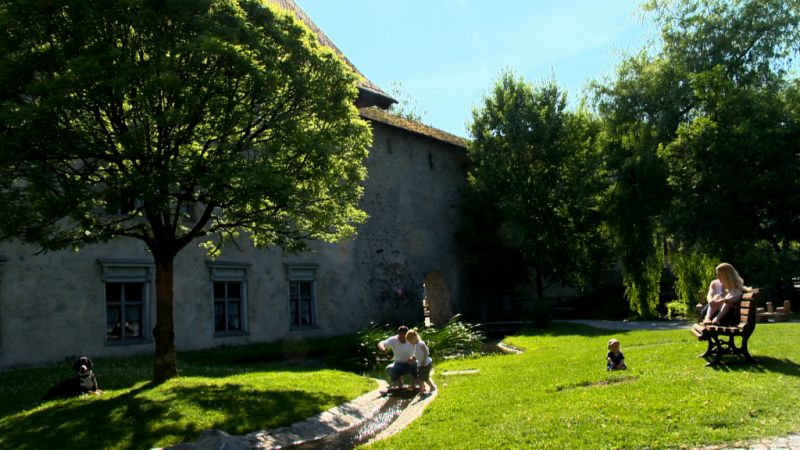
pixel 490 253
pixel 738 138
pixel 455 339
pixel 406 106
pixel 174 123
pixel 643 285
pixel 701 132
pixel 537 167
pixel 192 120
pixel 360 352
pixel 769 270
pixel 639 110
pixel 558 394
pixel 133 413
pixel 693 271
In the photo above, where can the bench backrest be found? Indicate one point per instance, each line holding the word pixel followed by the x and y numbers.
pixel 747 309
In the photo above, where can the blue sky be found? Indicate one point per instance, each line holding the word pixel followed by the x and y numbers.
pixel 446 54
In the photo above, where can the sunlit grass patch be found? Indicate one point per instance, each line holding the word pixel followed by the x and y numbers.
pixel 136 413
pixel 558 394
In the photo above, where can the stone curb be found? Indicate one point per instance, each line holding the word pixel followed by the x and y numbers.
pixel 408 415
pixel 323 425
pixel 789 442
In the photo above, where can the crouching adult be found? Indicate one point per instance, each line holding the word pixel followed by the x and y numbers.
pixel 403 352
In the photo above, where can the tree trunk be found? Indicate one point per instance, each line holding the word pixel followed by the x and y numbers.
pixel 539 285
pixel 164 331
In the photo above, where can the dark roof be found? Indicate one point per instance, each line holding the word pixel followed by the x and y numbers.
pixel 384 117
pixel 369 93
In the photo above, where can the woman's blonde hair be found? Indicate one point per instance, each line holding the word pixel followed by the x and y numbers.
pixel 732 276
pixel 412 334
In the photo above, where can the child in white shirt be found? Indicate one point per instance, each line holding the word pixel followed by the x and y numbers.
pixel 424 362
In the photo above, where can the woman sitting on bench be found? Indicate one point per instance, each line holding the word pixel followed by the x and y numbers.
pixel 723 295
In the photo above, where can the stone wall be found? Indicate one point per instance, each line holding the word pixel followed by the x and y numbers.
pixel 52 305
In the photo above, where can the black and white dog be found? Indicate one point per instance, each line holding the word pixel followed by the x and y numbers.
pixel 84 382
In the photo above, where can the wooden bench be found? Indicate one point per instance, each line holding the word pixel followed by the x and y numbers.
pixel 721 339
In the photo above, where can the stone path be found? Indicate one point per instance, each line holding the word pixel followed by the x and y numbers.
pixel 790 442
pixel 324 425
pixel 635 325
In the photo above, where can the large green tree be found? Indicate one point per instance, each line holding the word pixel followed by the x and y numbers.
pixel 640 109
pixel 703 137
pixel 731 155
pixel 536 161
pixel 174 123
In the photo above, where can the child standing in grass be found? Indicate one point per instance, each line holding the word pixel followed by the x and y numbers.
pixel 615 360
pixel 424 362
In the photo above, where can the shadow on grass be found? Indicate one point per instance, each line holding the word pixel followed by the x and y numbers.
pixel 765 364
pixel 143 416
pixel 558 329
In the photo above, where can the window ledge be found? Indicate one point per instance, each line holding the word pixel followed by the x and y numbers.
pixel 127 342
pixel 224 334
pixel 304 327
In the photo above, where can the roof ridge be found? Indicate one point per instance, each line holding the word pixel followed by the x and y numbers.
pixel 325 41
pixel 388 118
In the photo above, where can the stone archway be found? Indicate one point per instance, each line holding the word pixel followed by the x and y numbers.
pixel 436 302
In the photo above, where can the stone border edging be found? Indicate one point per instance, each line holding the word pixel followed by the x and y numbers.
pixel 323 425
pixel 408 415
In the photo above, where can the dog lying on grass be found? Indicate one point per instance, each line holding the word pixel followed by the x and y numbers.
pixel 84 382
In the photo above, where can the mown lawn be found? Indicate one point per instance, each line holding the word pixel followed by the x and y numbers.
pixel 227 389
pixel 559 395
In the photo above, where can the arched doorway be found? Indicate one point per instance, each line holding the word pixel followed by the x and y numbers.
pixel 436 302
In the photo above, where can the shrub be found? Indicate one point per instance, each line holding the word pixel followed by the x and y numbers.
pixel 359 352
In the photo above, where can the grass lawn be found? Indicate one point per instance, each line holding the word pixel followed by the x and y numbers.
pixel 133 413
pixel 559 395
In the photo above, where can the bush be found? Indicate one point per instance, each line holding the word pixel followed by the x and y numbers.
pixel 359 352
pixel 454 339
pixel 693 270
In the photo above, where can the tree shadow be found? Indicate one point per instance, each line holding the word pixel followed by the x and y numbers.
pixel 135 419
pixel 764 364
pixel 21 389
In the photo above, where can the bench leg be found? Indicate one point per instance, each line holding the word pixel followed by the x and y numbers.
pixel 714 342
pixel 709 349
pixel 746 353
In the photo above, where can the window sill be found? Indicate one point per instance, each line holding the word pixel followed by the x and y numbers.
pixel 303 327
pixel 224 334
pixel 127 342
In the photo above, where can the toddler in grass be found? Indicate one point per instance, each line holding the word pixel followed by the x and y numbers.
pixel 424 362
pixel 615 360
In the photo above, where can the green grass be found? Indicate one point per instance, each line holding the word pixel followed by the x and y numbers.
pixel 559 395
pixel 233 389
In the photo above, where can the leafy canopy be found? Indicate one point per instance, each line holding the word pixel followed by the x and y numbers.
pixel 171 121
pixel 702 138
pixel 537 165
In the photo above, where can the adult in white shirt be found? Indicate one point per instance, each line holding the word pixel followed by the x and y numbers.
pixel 403 352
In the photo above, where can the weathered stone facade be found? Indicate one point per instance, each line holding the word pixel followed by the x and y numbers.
pixel 53 305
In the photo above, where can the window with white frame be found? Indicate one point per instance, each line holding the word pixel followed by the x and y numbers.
pixel 128 284
pixel 229 287
pixel 302 295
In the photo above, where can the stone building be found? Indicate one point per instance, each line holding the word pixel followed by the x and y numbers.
pixel 100 301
